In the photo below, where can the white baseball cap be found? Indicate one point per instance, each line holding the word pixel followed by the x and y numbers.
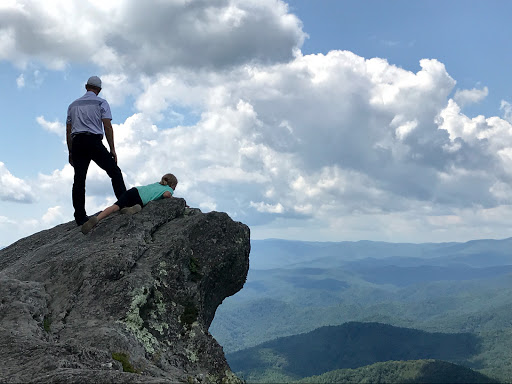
pixel 95 81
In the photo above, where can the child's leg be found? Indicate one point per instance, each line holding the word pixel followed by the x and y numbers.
pixel 108 211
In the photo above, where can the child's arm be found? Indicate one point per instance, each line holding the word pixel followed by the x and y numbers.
pixel 167 194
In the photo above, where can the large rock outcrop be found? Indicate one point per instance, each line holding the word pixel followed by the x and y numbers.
pixel 131 301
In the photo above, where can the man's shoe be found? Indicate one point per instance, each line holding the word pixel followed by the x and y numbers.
pixel 131 210
pixel 86 228
pixel 82 221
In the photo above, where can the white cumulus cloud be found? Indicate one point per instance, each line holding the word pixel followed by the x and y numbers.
pixel 20 81
pixel 53 216
pixel 14 189
pixel 470 96
pixel 51 126
pixel 506 107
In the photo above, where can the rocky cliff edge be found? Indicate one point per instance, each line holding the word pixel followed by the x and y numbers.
pixel 129 302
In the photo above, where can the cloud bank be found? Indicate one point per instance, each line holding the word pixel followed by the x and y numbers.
pixel 138 36
pixel 322 140
pixel 328 147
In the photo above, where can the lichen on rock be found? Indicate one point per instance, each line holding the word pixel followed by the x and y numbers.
pixel 136 324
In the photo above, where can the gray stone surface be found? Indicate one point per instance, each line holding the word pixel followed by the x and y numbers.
pixel 142 288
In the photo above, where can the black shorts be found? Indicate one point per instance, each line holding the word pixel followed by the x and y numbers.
pixel 130 198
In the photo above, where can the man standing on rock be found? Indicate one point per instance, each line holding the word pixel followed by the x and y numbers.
pixel 88 118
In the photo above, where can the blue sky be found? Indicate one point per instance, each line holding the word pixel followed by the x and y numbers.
pixel 310 120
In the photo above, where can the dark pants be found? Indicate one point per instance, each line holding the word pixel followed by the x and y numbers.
pixel 86 148
pixel 130 198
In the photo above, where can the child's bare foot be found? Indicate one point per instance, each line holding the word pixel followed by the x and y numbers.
pixel 89 224
pixel 131 210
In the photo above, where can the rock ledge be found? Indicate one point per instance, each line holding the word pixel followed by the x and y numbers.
pixel 129 302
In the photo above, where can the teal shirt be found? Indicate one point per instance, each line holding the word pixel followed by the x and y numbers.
pixel 152 192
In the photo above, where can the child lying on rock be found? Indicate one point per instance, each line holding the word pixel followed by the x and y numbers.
pixel 135 198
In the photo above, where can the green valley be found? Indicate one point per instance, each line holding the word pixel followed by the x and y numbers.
pixel 451 288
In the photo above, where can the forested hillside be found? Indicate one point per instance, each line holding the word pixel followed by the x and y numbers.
pixel 350 345
pixel 403 372
pixel 437 288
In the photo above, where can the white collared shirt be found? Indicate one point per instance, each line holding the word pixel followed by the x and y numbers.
pixel 85 114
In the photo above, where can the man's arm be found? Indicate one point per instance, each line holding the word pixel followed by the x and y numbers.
pixel 109 134
pixel 69 140
pixel 167 194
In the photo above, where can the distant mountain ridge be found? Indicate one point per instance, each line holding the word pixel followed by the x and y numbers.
pixel 292 254
pixel 409 275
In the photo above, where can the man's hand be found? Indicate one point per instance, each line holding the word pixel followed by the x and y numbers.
pixel 69 141
pixel 109 134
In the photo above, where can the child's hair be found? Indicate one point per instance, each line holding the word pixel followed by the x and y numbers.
pixel 170 180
